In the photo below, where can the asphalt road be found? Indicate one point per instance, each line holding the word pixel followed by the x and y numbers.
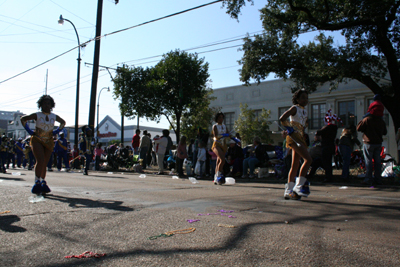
pixel 116 213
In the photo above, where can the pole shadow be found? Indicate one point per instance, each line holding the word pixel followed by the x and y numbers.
pixel 88 203
pixel 6 224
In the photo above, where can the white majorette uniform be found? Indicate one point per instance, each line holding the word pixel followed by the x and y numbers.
pixel 44 130
pixel 298 122
pixel 220 141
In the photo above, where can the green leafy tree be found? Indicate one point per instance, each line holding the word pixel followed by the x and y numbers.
pixel 249 125
pixel 171 88
pixel 202 115
pixel 114 142
pixel 370 55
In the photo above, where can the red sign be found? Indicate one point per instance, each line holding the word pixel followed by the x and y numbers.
pixel 109 134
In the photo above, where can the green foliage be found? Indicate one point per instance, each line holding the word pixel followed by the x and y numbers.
pixel 250 126
pixel 372 50
pixel 114 142
pixel 172 88
pixel 135 88
pixel 233 6
pixel 201 116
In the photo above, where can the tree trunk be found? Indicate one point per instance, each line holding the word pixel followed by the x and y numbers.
pixel 392 105
pixel 177 133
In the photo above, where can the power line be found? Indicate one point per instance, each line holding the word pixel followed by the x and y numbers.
pixel 38 65
pixel 224 68
pixel 3 2
pixel 32 42
pixel 93 39
pixel 154 20
pixel 228 40
pixel 38 31
pixel 31 23
pixel 22 16
pixel 35 95
pixel 72 13
pixel 209 51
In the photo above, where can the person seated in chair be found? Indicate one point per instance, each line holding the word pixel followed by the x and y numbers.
pixel 235 158
pixel 256 156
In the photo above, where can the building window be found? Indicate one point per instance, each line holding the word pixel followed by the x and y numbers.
pixel 229 120
pixel 318 112
pixel 347 113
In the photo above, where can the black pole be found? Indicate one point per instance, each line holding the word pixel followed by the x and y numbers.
pixel 95 74
pixel 77 81
pixel 97 124
pixel 122 128
pixel 77 99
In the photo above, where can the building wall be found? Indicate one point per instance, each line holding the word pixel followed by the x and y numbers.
pixel 276 94
pixel 110 130
pixel 14 128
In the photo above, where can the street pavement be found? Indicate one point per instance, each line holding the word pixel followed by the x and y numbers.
pixel 116 213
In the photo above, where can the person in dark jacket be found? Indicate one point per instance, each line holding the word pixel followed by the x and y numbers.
pixel 373 128
pixel 235 158
pixel 256 156
pixel 328 136
pixel 19 149
pixel 61 149
pixel 86 146
pixel 346 145
pixel 190 150
pixel 315 152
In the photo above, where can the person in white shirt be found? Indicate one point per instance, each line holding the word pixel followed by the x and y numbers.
pixel 160 147
pixel 201 157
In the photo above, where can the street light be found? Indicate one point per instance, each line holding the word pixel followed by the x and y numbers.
pixel 98 111
pixel 61 22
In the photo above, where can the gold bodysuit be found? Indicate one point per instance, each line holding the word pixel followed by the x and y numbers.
pixel 298 122
pixel 220 141
pixel 44 130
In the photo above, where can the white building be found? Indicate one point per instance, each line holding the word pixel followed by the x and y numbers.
pixel 14 128
pixel 110 130
pixel 350 102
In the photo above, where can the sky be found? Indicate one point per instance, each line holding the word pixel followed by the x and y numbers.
pixel 30 35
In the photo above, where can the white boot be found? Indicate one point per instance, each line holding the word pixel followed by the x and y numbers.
pixel 216 177
pixel 302 187
pixel 288 188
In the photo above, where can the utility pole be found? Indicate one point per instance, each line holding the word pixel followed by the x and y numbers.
pixel 96 60
pixel 47 75
pixel 122 128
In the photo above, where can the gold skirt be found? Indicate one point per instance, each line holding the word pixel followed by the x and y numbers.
pixel 223 146
pixel 48 143
pixel 299 139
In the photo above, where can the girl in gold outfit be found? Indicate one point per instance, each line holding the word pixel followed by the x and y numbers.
pixel 42 139
pixel 298 121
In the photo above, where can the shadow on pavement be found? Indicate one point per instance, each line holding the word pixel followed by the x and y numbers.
pixel 230 243
pixel 108 176
pixel 6 224
pixel 331 212
pixel 88 203
pixel 12 178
